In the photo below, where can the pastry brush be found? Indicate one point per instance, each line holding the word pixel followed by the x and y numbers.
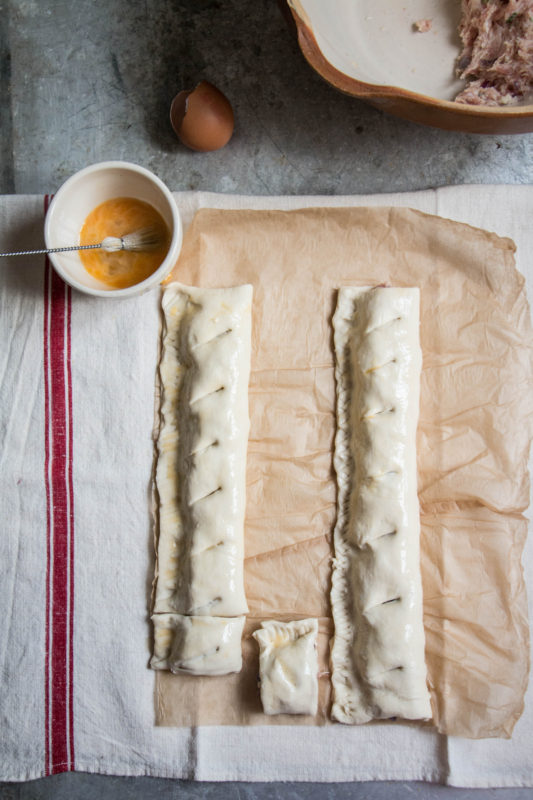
pixel 143 239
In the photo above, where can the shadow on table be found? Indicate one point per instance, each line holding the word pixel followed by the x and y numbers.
pixel 23 274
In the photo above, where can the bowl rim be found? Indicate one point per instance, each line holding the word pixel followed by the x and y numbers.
pixel 175 245
pixel 375 91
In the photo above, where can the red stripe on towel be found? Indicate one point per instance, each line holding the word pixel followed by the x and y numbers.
pixel 48 510
pixel 59 739
pixel 71 508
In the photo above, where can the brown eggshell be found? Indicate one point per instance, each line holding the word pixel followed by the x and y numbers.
pixel 202 117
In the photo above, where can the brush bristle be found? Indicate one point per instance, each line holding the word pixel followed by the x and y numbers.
pixel 143 239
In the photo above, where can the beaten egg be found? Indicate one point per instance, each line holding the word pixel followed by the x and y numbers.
pixel 118 217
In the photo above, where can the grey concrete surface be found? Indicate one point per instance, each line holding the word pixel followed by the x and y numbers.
pixel 86 80
pixel 90 80
pixel 74 786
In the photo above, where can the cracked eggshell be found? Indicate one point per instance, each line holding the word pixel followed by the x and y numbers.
pixel 202 117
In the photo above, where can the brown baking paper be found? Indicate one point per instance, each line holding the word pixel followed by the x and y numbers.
pixel 473 442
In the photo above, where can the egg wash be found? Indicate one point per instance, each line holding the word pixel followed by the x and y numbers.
pixel 118 217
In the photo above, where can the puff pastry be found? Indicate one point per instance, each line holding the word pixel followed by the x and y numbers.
pixel 197 645
pixel 378 664
pixel 201 466
pixel 288 666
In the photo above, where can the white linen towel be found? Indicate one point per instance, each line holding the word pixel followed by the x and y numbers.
pixel 76 549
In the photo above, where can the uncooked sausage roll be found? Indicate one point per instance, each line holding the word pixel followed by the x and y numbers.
pixel 197 645
pixel 378 664
pixel 288 666
pixel 201 467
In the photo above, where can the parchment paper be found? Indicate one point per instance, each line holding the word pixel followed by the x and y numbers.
pixel 473 441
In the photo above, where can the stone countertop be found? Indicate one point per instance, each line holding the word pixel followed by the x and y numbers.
pixel 79 786
pixel 93 80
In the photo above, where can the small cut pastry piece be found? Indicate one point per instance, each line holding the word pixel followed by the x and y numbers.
pixel 378 664
pixel 197 645
pixel 201 467
pixel 288 666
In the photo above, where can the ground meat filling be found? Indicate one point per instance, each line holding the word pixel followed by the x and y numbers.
pixel 497 55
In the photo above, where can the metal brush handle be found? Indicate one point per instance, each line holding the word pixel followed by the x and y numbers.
pixel 52 250
pixel 143 239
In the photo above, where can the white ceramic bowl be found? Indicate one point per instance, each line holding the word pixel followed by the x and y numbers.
pixel 85 190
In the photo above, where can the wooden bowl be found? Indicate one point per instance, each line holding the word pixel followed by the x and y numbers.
pixel 370 49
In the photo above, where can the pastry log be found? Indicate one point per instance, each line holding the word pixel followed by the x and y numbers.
pixel 378 663
pixel 202 443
